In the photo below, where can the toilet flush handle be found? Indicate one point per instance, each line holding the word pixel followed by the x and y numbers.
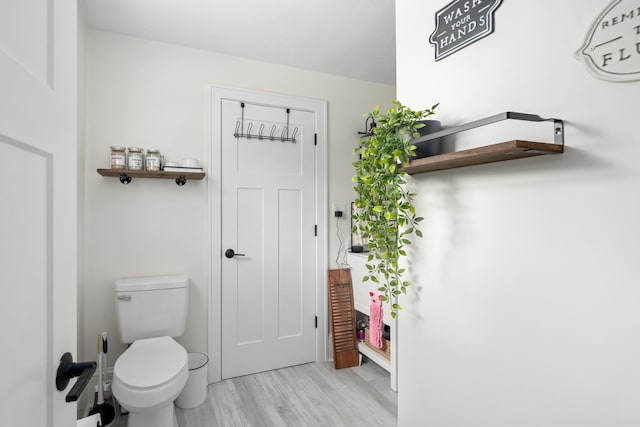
pixel 123 297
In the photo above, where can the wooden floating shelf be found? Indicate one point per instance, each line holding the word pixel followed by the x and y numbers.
pixel 151 174
pixel 509 150
pixel 126 175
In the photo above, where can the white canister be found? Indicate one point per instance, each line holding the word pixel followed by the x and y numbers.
pixel 153 159
pixel 118 157
pixel 135 161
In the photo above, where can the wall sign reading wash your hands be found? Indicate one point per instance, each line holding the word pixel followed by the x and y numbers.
pixel 461 23
pixel 611 49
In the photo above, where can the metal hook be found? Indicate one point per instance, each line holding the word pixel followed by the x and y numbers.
pixel 260 137
pixel 273 130
pixel 236 133
pixel 242 116
pixel 368 126
pixel 293 136
pixel 248 135
pixel 288 115
pixel 283 136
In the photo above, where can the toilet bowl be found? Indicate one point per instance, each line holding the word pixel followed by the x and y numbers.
pixel 147 378
pixel 151 373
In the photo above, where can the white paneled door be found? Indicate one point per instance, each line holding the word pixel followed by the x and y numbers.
pixel 38 215
pixel 268 239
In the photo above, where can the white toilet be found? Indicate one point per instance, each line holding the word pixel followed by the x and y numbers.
pixel 152 372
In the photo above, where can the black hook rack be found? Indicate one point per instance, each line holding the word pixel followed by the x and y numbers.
pixel 284 135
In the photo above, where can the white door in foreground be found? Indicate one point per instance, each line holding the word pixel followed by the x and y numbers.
pixel 38 215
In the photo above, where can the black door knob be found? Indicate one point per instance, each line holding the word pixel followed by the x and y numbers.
pixel 67 370
pixel 230 253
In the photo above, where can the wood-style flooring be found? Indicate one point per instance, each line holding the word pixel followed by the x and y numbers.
pixel 300 396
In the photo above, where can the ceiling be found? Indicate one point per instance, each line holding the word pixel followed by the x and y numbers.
pixel 350 38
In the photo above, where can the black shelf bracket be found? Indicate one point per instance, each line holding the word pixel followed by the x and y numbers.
pixel 369 125
pixel 124 178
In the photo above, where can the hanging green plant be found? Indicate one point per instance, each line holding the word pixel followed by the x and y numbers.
pixel 385 212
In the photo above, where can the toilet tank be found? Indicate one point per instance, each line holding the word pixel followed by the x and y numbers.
pixel 151 306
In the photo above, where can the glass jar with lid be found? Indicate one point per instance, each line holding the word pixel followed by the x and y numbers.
pixel 135 161
pixel 118 157
pixel 153 159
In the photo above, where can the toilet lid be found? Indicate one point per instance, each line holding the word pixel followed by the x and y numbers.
pixel 150 362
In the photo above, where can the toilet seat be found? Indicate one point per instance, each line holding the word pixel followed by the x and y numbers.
pixel 150 373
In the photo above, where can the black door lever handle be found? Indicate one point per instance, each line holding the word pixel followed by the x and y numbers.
pixel 67 370
pixel 230 253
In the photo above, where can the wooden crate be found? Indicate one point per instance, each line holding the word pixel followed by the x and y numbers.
pixel 385 351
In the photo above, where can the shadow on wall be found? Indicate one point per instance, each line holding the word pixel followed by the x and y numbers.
pixel 430 257
pixel 447 228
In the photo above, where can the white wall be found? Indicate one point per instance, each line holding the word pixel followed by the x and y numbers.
pixel 149 94
pixel 525 308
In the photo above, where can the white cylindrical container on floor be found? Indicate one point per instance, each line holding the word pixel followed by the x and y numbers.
pixel 195 391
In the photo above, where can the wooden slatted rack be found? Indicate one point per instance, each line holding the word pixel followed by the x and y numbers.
pixel 343 321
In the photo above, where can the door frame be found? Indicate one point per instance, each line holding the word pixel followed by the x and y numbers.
pixel 319 108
